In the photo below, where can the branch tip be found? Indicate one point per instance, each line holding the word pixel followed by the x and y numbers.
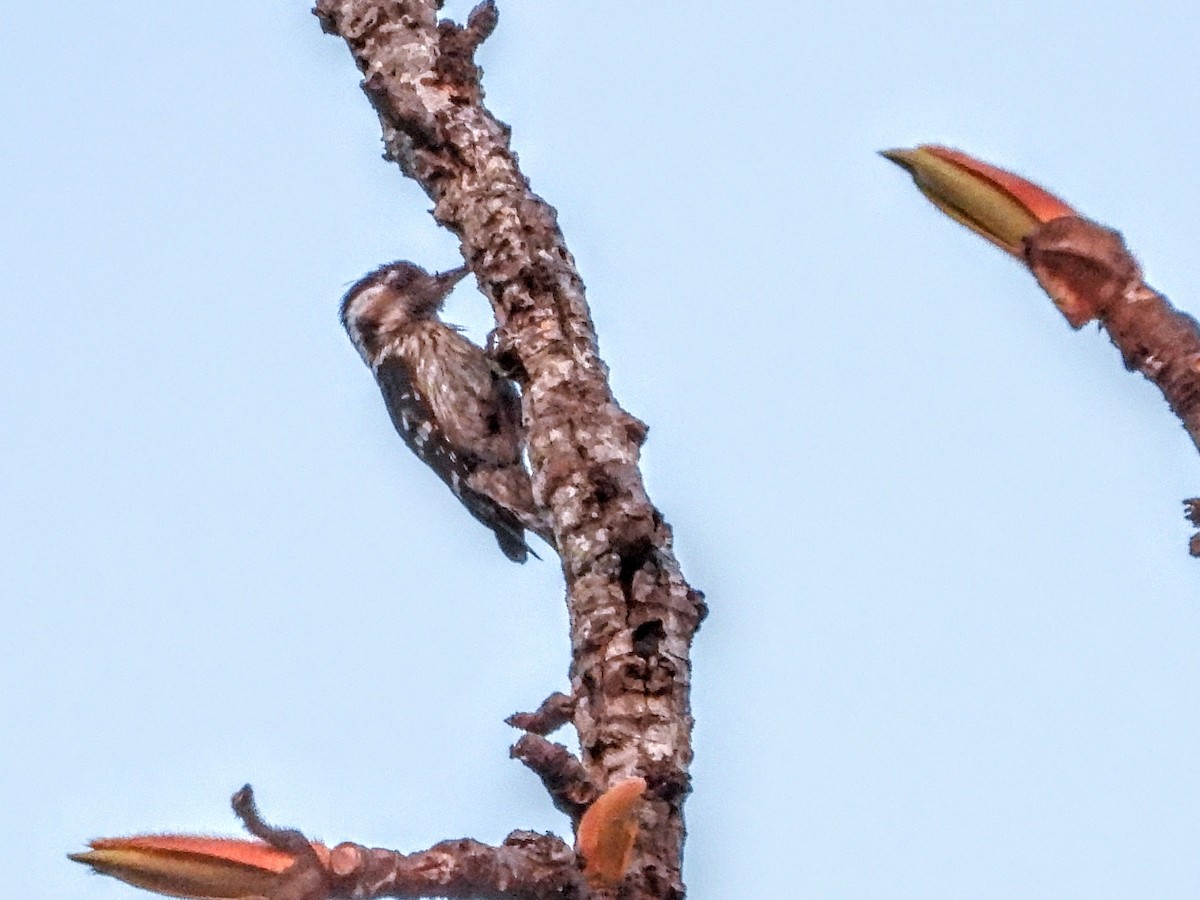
pixel 998 205
pixel 482 21
pixel 555 712
pixel 289 840
pixel 196 866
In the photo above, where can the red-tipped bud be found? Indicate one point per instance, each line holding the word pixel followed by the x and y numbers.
pixel 1015 215
pixel 998 205
pixel 608 830
pixel 183 865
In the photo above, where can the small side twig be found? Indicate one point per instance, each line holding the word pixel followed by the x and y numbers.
pixel 1191 510
pixel 307 879
pixel 555 712
pixel 456 63
pixel 565 778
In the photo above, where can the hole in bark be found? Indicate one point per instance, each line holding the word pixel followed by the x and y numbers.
pixel 598 747
pixel 634 673
pixel 606 488
pixel 647 637
pixel 664 782
pixel 633 558
pixel 510 366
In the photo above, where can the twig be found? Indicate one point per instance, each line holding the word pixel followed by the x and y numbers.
pixel 554 713
pixel 561 772
pixel 307 879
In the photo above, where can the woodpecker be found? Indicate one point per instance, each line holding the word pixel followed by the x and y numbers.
pixel 449 404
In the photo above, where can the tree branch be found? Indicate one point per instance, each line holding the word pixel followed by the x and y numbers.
pixel 563 775
pixel 527 865
pixel 284 865
pixel 632 614
pixel 1086 269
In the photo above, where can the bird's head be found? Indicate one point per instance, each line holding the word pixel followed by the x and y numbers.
pixel 380 305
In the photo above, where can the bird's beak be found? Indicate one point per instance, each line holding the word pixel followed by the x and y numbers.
pixel 998 205
pixel 451 277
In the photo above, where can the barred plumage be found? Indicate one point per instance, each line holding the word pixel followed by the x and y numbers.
pixel 453 409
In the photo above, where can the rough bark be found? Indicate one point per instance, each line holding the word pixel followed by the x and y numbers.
pixel 632 613
pixel 528 866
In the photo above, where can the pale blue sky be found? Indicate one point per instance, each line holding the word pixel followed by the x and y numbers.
pixel 954 648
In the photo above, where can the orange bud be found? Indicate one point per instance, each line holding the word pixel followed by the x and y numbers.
pixel 996 204
pixel 184 865
pixel 607 832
